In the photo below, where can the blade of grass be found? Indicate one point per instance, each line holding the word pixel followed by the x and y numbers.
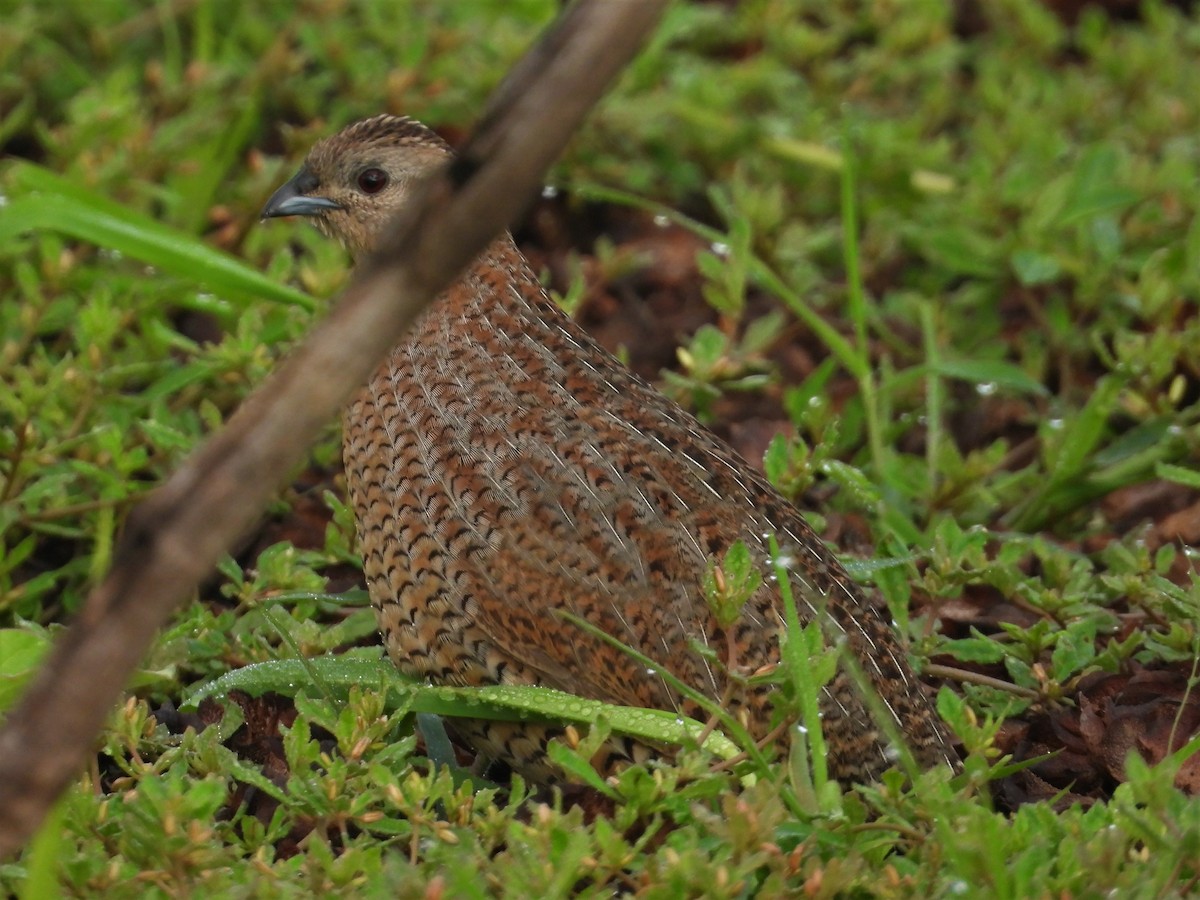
pixel 45 851
pixel 497 702
pixel 1071 454
pixel 55 204
pixel 856 297
pixel 796 661
pixel 1178 474
pixel 934 395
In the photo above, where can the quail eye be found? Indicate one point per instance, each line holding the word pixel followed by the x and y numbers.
pixel 372 181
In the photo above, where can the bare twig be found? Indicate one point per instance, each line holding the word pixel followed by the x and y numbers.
pixel 966 676
pixel 173 539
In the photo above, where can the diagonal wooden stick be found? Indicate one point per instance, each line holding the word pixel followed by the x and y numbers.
pixel 174 539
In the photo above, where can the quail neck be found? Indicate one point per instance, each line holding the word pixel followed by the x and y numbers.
pixel 504 469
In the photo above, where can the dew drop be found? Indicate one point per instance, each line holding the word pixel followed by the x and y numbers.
pixel 549 192
pixel 661 221
pixel 719 248
pixel 985 388
pixel 652 672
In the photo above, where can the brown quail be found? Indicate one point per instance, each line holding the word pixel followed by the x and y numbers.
pixel 503 466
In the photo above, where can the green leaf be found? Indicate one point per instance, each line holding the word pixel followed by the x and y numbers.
pixel 578 768
pixel 729 584
pixel 960 251
pixel 762 332
pixel 777 460
pixel 864 491
pixel 953 709
pixel 1095 188
pixel 1033 268
pixel 707 347
pixel 1178 474
pixel 438 747
pixel 1075 445
pixel 1152 435
pixel 990 371
pixel 796 400
pixel 1072 652
pixel 978 650
pixel 55 204
pixel 863 569
pixel 20 654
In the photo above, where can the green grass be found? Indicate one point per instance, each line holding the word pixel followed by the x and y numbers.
pixel 985 247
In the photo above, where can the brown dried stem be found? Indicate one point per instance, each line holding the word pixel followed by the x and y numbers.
pixel 174 539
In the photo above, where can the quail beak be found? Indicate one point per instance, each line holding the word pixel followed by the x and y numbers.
pixel 295 198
